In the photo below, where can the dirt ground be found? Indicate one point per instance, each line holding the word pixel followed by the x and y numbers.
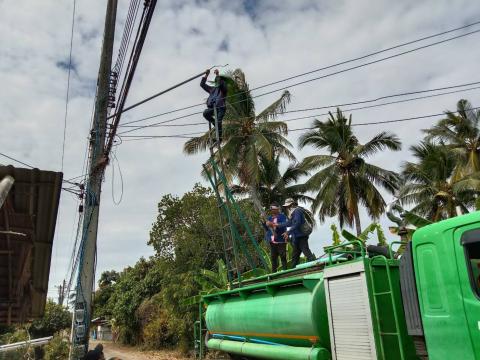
pixel 120 352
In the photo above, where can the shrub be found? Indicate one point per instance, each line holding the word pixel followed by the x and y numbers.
pixel 57 348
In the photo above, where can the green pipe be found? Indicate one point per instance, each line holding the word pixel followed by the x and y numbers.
pixel 271 352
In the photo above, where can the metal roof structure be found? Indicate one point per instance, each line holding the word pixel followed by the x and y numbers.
pixel 27 226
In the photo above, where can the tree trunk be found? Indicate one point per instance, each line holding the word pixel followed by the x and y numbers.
pixel 256 199
pixel 358 226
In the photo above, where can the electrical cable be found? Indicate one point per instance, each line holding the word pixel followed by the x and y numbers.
pixel 391 121
pixel 346 110
pixel 337 64
pixel 76 220
pixel 127 32
pixel 114 153
pixel 18 161
pixel 68 83
pixel 322 107
pixel 148 137
pixel 369 55
pixel 145 21
pixel 314 79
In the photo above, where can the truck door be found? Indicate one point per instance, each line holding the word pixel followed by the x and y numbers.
pixel 467 250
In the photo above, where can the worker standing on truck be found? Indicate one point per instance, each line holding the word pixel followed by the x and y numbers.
pixel 216 100
pixel 274 237
pixel 299 230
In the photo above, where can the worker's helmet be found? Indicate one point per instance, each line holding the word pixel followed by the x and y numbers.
pixel 221 74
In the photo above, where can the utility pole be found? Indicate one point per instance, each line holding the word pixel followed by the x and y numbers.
pixel 61 292
pixel 97 163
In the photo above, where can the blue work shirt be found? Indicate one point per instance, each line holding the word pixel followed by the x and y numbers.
pixel 217 93
pixel 295 222
pixel 279 230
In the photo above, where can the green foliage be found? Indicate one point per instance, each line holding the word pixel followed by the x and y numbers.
pixel 17 335
pixel 343 179
pixel 57 348
pixel 147 302
pixel 446 175
pixel 133 286
pixel 335 235
pixel 248 137
pixel 108 278
pixel 416 220
pixel 460 132
pixel 364 236
pixel 275 186
pixel 187 230
pixel 55 318
pixel 433 186
pixel 102 296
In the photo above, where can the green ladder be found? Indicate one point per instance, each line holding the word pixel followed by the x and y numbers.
pixel 234 245
pixel 198 331
pixel 388 293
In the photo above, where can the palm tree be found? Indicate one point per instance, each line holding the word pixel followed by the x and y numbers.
pixel 275 186
pixel 247 137
pixel 431 184
pixel 460 131
pixel 344 179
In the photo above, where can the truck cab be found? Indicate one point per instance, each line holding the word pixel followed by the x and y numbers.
pixel 446 260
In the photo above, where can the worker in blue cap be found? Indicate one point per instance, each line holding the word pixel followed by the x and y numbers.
pixel 216 100
pixel 274 236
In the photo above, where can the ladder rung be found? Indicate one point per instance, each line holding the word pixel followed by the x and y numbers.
pixel 382 293
pixel 392 334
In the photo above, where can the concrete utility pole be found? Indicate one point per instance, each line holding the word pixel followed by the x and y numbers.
pixel 97 163
pixel 61 293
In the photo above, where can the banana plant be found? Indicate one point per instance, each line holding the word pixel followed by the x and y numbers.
pixel 210 282
pixel 364 235
pixel 335 235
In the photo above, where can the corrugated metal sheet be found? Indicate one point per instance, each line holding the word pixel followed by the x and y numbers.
pixel 349 318
pixel 31 209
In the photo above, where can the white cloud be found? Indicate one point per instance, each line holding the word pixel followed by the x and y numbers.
pixel 267 39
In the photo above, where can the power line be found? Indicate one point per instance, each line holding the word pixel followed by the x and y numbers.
pixel 18 161
pixel 68 82
pixel 162 123
pixel 144 25
pixel 384 104
pixel 127 33
pixel 335 65
pixel 148 137
pixel 368 63
pixel 314 79
pixel 346 110
pixel 369 55
pixel 391 121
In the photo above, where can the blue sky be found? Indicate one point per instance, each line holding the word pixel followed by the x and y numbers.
pixel 267 39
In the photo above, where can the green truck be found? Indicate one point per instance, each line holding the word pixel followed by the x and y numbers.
pixel 359 303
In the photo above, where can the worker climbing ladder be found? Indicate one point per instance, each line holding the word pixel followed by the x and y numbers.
pixel 235 246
